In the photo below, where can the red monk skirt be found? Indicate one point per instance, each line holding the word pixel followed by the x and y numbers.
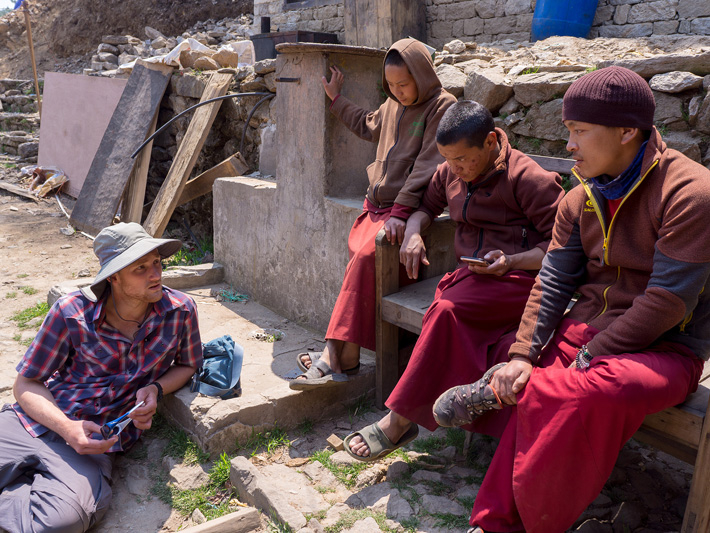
pixel 469 315
pixel 562 440
pixel 353 317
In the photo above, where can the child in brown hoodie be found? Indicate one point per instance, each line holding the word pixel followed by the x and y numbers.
pixel 404 128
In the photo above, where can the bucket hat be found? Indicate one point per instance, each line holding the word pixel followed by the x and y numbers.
pixel 120 245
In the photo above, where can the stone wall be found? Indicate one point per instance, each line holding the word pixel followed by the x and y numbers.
pixel 641 18
pixel 320 15
pixel 496 20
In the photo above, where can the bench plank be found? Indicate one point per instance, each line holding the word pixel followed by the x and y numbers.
pixel 406 308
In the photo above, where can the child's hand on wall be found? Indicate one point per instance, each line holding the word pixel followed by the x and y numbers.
pixel 333 87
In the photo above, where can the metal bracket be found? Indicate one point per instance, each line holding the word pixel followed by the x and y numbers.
pixel 288 80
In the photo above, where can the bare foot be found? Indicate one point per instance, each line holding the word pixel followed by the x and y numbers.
pixel 392 425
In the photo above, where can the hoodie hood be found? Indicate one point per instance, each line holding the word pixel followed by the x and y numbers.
pixel 418 61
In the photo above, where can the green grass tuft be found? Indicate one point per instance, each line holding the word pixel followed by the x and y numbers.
pixel 346 474
pixel 23 317
pixel 29 290
pixel 269 441
pixel 10 295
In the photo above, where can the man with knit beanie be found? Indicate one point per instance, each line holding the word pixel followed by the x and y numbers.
pixel 633 244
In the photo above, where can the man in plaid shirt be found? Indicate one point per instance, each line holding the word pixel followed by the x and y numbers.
pixel 100 352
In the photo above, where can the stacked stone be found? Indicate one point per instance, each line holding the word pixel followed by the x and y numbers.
pixel 480 20
pixel 17 96
pixel 323 18
pixel 497 20
pixel 640 18
pixel 19 124
pixel 116 50
pixel 523 88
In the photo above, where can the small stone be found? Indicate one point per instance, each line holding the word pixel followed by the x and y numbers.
pixel 426 475
pixel 397 469
pixel 65 246
pixel 152 33
pixel 342 458
pixel 265 66
pixel 335 442
pixel 84 273
pixel 297 461
pixel 198 517
pixel 206 63
pixel 158 43
pixel 675 82
pixel 455 47
pixel 227 58
pixel 109 48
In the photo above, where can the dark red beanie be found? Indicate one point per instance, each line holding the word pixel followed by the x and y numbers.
pixel 612 96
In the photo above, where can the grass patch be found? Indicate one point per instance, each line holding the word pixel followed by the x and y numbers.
pixel 438 488
pixel 10 295
pixel 451 521
pixel 231 295
pixel 456 437
pixel 22 275
pixel 24 342
pixel 276 526
pixel 269 441
pixel 429 444
pixel 361 406
pixel 410 524
pixel 29 290
pixel 536 143
pixel 23 317
pixel 590 69
pixel 348 519
pixel 346 474
pixel 530 70
pixel 214 499
pixel 467 501
pixel 306 426
pixel 191 255
pixel 179 445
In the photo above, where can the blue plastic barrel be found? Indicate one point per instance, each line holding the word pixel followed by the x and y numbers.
pixel 562 17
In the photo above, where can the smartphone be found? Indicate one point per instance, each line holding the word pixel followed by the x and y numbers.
pixel 475 261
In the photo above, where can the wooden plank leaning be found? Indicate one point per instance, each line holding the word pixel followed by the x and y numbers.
pixel 127 129
pixel 186 156
pixel 132 210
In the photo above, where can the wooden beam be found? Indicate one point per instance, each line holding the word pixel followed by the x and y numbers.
pixel 19 191
pixel 202 184
pixel 186 156
pixel 554 164
pixel 111 168
pixel 135 190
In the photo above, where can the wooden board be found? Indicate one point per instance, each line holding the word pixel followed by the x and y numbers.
pixel 111 168
pixel 19 191
pixel 184 160
pixel 135 190
pixel 406 308
pixel 76 111
pixel 202 184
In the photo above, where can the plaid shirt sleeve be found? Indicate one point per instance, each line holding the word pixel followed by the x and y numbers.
pixel 50 348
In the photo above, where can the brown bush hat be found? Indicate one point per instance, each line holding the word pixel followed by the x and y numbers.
pixel 120 245
pixel 612 96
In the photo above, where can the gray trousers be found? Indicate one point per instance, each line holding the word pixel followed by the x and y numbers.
pixel 47 486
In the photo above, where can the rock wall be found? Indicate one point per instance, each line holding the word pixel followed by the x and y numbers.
pixel 523 85
pixel 495 20
pixel 327 16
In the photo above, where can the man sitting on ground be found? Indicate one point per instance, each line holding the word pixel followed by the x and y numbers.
pixel 633 243
pixel 504 205
pixel 124 340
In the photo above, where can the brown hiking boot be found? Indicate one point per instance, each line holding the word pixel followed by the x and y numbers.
pixel 461 405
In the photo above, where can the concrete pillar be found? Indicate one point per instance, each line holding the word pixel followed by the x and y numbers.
pixel 284 242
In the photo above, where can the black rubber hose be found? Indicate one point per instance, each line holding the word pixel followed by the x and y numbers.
pixel 235 95
pixel 251 114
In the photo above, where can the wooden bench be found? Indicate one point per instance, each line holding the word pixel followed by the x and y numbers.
pixel 681 431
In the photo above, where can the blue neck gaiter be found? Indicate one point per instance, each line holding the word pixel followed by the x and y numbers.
pixel 618 187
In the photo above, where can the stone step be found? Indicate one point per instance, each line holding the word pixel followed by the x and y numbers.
pixel 28 122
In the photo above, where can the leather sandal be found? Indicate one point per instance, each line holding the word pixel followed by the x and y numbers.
pixel 315 356
pixel 319 375
pixel 461 405
pixel 378 442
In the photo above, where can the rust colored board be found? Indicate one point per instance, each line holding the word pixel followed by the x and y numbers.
pixel 231 167
pixel 386 333
pixel 76 111
pixel 112 166
pixel 135 190
pixel 697 512
pixel 186 156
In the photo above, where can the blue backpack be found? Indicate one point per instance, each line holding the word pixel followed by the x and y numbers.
pixel 221 369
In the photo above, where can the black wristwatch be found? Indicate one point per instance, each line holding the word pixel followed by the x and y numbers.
pixel 160 389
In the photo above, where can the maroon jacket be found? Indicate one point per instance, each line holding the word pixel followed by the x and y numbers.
pixel 407 156
pixel 512 208
pixel 642 274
